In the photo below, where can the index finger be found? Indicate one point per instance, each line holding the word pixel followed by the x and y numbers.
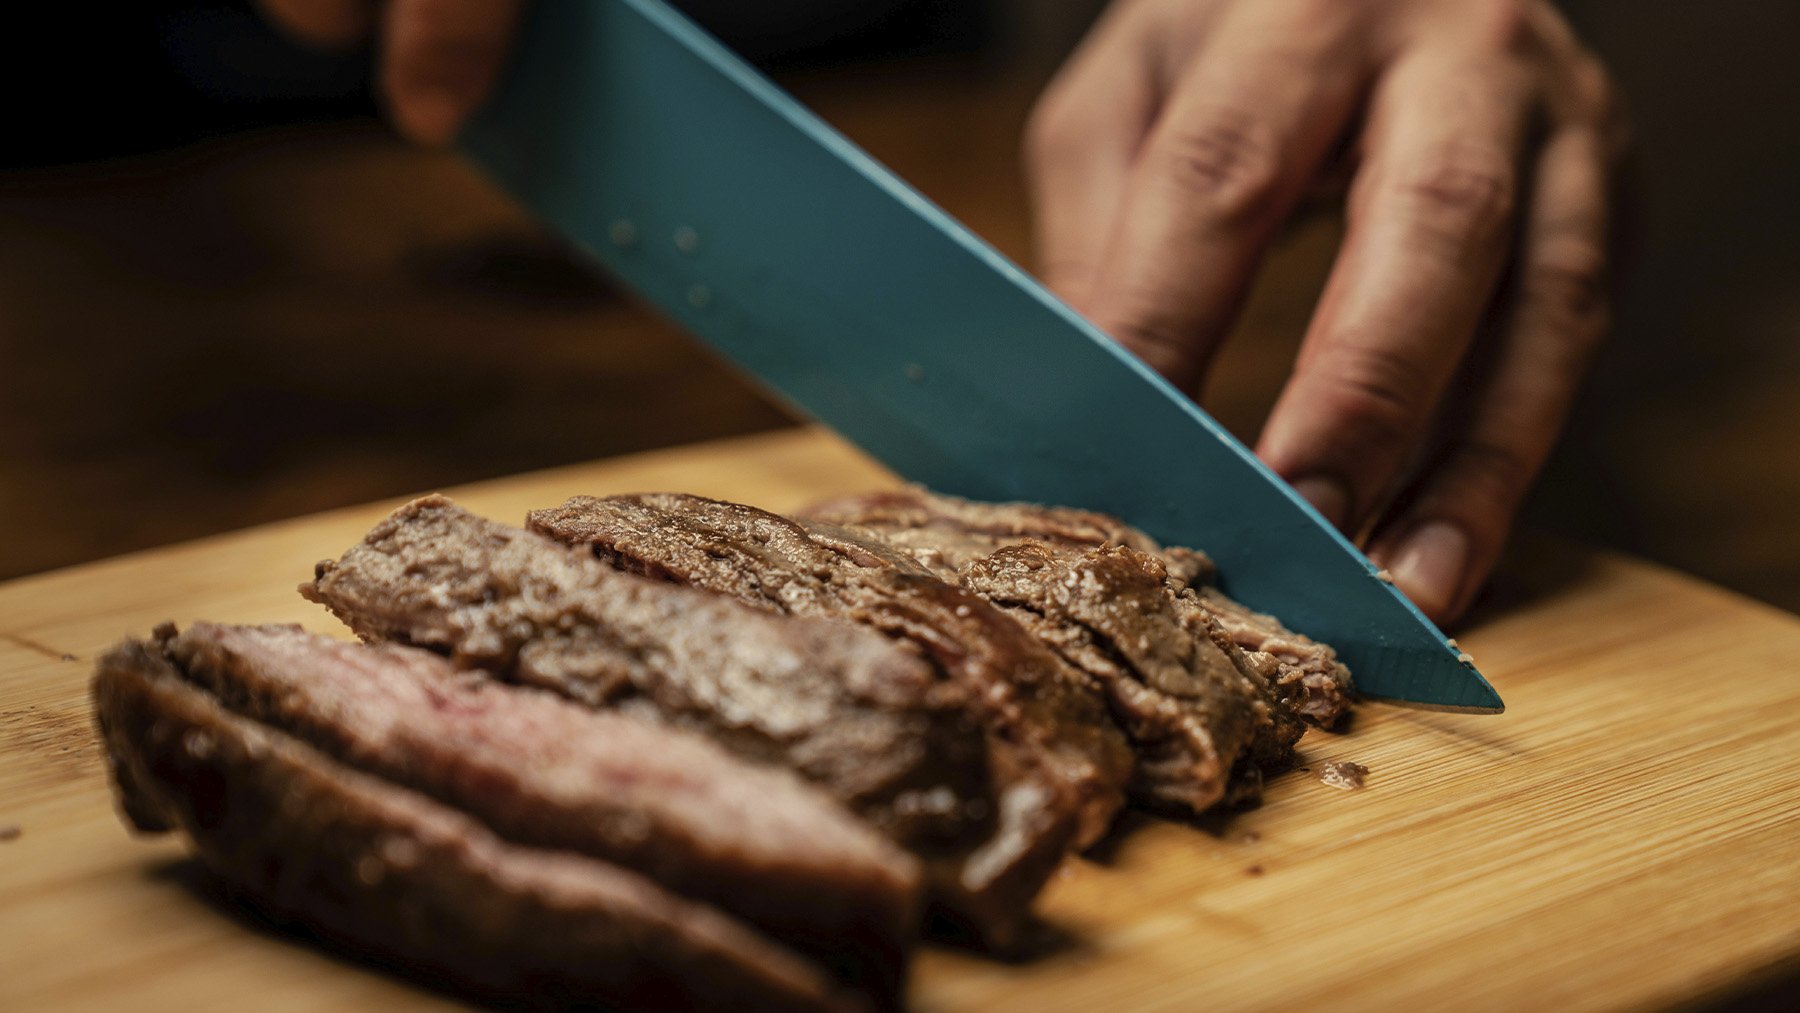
pixel 1227 160
pixel 441 58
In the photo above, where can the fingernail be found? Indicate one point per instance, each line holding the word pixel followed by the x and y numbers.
pixel 1429 564
pixel 430 116
pixel 1327 495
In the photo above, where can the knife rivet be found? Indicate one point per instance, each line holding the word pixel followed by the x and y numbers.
pixel 623 234
pixel 686 239
pixel 914 372
pixel 699 296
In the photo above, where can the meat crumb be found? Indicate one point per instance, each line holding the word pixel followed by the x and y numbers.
pixel 1343 774
pixel 1384 576
pixel 10 832
pixel 1466 658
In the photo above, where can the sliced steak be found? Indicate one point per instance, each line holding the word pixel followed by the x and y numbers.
pixel 1182 692
pixel 866 719
pixel 389 873
pixel 1046 722
pixel 946 534
pixel 1306 678
pixel 754 840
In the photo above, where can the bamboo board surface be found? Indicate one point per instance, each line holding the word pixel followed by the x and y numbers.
pixel 1626 835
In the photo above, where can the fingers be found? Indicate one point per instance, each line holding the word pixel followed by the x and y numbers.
pixel 1442 545
pixel 1430 222
pixel 322 22
pixel 1231 153
pixel 441 59
pixel 1080 143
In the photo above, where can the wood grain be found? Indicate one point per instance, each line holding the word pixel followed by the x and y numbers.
pixel 1626 835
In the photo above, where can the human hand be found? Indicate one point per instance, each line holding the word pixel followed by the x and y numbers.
pixel 1469 294
pixel 439 58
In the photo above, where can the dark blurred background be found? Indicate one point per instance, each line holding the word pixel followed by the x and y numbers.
pixel 228 295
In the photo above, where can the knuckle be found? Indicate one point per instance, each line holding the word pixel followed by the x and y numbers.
pixel 1377 396
pixel 1229 161
pixel 1162 343
pixel 1569 282
pixel 1461 197
pixel 1166 340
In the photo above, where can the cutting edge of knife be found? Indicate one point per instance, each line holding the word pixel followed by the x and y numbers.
pixel 723 61
pixel 1440 708
pixel 981 248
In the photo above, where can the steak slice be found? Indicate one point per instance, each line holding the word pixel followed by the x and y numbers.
pixel 538 770
pixel 1306 677
pixel 1046 723
pixel 1181 691
pixel 867 720
pixel 946 534
pixel 392 875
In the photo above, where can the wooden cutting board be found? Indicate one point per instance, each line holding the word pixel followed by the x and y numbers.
pixel 1627 834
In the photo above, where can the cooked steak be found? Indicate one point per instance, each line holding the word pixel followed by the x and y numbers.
pixel 1182 692
pixel 754 840
pixel 1046 722
pixel 1306 678
pixel 869 721
pixel 389 873
pixel 946 534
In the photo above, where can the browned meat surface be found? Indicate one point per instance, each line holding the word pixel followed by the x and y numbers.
pixel 1306 678
pixel 946 534
pixel 1051 745
pixel 865 718
pixel 872 723
pixel 1181 691
pixel 756 841
pixel 391 874
pixel 1047 723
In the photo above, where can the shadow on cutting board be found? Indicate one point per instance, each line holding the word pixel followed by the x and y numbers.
pixel 1534 567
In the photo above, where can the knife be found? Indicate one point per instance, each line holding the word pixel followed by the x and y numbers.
pixel 758 228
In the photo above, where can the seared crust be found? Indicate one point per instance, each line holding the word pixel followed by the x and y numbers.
pixel 846 708
pixel 947 534
pixel 388 873
pixel 1051 743
pixel 864 717
pixel 754 840
pixel 1186 697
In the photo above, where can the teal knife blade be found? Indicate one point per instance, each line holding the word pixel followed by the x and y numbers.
pixel 758 228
